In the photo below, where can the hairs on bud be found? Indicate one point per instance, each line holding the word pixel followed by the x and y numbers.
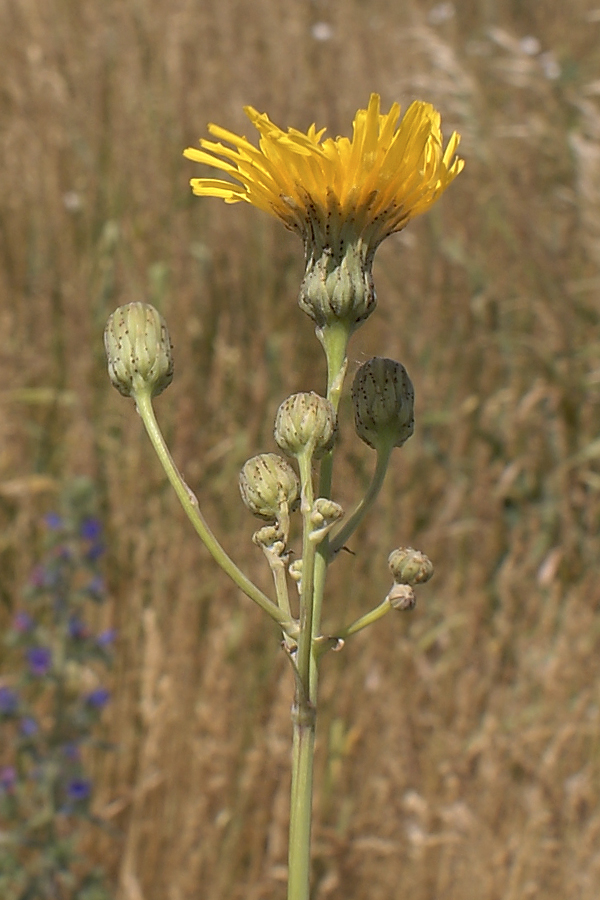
pixel 138 349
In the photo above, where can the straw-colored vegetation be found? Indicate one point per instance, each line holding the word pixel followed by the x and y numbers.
pixel 459 745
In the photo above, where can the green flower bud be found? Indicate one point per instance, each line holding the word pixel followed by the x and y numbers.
pixel 402 597
pixel 305 422
pixel 338 284
pixel 270 537
pixel 410 566
pixel 138 349
pixel 295 570
pixel 324 515
pixel 268 486
pixel 383 398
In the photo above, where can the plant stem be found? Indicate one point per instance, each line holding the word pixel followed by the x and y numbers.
pixel 338 540
pixel 190 504
pixel 314 568
pixel 304 718
pixel 304 710
pixel 368 619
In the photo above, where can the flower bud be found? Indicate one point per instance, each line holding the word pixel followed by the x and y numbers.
pixel 383 398
pixel 138 349
pixel 324 515
pixel 410 566
pixel 267 484
pixel 295 570
pixel 270 537
pixel 402 597
pixel 338 285
pixel 305 422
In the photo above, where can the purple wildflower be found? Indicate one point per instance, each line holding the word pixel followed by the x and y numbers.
pixel 98 698
pixel 39 659
pixel 78 630
pixel 96 587
pixel 8 778
pixel 106 638
pixel 9 701
pixel 28 726
pixel 22 622
pixel 53 521
pixel 90 529
pixel 79 789
pixel 72 751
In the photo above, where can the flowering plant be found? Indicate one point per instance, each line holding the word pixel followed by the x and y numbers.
pixel 343 197
pixel 49 710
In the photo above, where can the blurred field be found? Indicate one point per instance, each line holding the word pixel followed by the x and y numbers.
pixel 459 745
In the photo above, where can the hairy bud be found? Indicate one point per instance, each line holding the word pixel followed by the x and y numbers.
pixel 305 422
pixel 138 349
pixel 324 515
pixel 402 597
pixel 383 398
pixel 410 566
pixel 267 485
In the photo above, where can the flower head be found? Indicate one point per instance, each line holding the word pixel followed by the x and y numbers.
pixel 28 726
pixel 370 185
pixel 39 659
pixel 79 789
pixel 22 622
pixel 8 778
pixel 342 196
pixel 106 638
pixel 90 529
pixel 9 701
pixel 98 698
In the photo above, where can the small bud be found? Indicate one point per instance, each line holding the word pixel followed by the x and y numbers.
pixel 267 484
pixel 138 349
pixel 270 537
pixel 295 570
pixel 325 510
pixel 305 422
pixel 383 398
pixel 324 515
pixel 402 597
pixel 410 566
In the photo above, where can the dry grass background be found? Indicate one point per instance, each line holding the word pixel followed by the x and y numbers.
pixel 458 752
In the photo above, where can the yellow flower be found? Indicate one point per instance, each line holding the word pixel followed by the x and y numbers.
pixel 373 184
pixel 339 195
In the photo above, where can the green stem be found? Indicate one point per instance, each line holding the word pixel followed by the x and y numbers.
pixel 304 711
pixel 314 566
pixel 308 564
pixel 334 339
pixel 338 540
pixel 301 802
pixel 281 586
pixel 372 616
pixel 190 504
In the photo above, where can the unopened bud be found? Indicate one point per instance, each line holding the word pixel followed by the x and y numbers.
pixel 138 349
pixel 270 537
pixel 402 597
pixel 267 484
pixel 305 422
pixel 384 399
pixel 324 515
pixel 410 566
pixel 295 570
